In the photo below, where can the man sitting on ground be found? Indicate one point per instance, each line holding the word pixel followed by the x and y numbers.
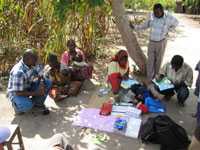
pixel 26 88
pixel 181 75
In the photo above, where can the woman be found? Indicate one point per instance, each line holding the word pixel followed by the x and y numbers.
pixel 75 59
pixel 118 70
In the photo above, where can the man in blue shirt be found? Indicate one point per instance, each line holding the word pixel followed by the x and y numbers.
pixel 26 87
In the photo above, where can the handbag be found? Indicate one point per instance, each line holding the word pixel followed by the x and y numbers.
pixel 106 108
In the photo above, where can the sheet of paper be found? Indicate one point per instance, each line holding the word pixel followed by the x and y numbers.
pixel 128 110
pixel 133 127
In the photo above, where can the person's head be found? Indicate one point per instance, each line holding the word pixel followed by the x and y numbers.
pixel 30 57
pixel 158 10
pixel 122 58
pixel 53 61
pixel 71 45
pixel 177 62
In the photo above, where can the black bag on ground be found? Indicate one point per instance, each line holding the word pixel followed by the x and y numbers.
pixel 163 130
pixel 140 92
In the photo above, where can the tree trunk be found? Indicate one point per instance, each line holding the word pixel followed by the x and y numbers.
pixel 128 37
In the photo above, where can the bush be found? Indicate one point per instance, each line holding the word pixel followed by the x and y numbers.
pixel 148 4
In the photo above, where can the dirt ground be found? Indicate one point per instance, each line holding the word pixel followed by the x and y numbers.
pixel 37 129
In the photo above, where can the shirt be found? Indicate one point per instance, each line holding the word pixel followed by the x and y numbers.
pixel 159 27
pixel 66 57
pixel 185 74
pixel 115 68
pixel 21 77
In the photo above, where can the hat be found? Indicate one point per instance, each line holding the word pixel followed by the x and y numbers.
pixel 4 134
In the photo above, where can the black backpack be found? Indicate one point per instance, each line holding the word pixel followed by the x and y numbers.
pixel 163 130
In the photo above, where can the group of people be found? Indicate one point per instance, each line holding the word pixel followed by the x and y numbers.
pixel 30 82
pixel 177 71
pixel 28 86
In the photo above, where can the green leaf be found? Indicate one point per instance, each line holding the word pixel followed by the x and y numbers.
pixel 94 3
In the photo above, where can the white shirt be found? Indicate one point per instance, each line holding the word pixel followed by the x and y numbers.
pixel 159 27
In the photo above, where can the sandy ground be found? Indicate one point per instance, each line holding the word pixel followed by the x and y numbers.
pixel 36 128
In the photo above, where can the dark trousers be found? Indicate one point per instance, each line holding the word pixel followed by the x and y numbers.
pixel 198 114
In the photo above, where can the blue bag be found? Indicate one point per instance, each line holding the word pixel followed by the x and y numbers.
pixel 154 105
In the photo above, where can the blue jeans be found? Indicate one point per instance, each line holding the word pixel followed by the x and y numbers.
pixel 25 103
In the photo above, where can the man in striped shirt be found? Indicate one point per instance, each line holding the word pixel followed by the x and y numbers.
pixel 24 91
pixel 160 23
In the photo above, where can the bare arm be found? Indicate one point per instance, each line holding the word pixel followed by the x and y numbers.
pixel 144 25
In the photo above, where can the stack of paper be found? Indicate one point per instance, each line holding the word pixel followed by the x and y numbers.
pixel 126 110
pixel 133 127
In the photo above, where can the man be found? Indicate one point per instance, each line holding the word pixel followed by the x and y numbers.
pixel 26 88
pixel 160 23
pixel 181 75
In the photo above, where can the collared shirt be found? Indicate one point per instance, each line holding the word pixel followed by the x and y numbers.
pixel 159 27
pixel 185 74
pixel 21 77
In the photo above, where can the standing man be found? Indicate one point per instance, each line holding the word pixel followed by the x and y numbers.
pixel 26 87
pixel 160 23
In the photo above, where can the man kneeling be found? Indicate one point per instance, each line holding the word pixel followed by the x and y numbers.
pixel 181 75
pixel 26 88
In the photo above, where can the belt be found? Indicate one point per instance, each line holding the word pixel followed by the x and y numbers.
pixel 157 41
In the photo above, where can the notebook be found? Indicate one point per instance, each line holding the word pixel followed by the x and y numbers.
pixel 126 84
pixel 164 84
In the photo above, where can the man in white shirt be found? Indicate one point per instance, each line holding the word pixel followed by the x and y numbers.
pixel 160 23
pixel 181 76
